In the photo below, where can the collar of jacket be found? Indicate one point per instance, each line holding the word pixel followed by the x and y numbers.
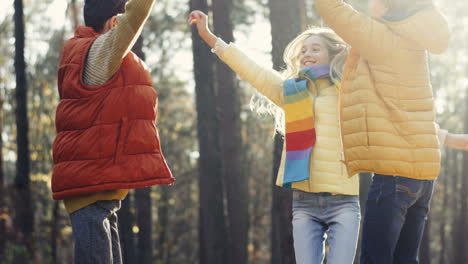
pixel 85 32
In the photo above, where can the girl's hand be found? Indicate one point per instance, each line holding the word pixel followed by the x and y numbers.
pixel 457 141
pixel 200 19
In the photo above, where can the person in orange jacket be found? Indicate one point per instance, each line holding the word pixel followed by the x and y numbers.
pixel 107 141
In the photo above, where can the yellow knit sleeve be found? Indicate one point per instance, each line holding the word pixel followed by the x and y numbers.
pixel 107 52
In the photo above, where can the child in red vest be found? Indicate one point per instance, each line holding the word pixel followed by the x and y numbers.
pixel 107 141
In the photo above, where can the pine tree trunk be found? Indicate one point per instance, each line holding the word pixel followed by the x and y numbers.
pixel 3 210
pixel 455 246
pixel 443 222
pixel 213 230
pixel 24 216
pixel 285 26
pixel 144 220
pixel 163 222
pixel 74 12
pixel 235 182
pixel 303 16
pixel 365 180
pixel 55 232
pixel 127 237
pixel 282 247
pixel 463 224
pixel 143 201
pixel 140 250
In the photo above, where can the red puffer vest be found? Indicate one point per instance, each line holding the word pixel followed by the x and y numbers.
pixel 106 135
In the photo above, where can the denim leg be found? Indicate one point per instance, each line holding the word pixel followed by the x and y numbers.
pixel 308 230
pixel 92 233
pixel 383 220
pixel 407 250
pixel 343 229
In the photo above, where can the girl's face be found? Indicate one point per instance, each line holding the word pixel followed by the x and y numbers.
pixel 377 8
pixel 314 52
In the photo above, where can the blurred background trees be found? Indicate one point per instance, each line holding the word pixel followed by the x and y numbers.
pixel 224 207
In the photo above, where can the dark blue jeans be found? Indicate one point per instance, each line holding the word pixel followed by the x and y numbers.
pixel 395 215
pixel 96 234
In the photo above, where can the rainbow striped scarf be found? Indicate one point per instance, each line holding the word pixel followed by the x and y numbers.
pixel 300 127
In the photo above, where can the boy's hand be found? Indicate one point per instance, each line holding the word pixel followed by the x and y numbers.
pixel 457 141
pixel 200 19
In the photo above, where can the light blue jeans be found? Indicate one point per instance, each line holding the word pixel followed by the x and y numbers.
pixel 320 215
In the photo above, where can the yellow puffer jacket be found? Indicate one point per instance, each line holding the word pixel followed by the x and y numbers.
pixel 327 173
pixel 387 113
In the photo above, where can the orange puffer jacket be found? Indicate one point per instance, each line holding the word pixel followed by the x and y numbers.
pixel 106 135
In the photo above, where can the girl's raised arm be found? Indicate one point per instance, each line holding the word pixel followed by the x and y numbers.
pixel 200 19
pixel 266 80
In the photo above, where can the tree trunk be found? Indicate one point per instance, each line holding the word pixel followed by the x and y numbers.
pixel 443 222
pixel 282 243
pixel 163 222
pixel 303 15
pixel 144 220
pixel 229 108
pixel 213 231
pixel 365 180
pixel 127 237
pixel 132 250
pixel 74 14
pixel 285 26
pixel 463 224
pixel 3 210
pixel 143 200
pixel 55 232
pixel 455 204
pixel 24 217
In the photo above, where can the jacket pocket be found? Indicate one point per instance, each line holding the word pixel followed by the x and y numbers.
pixel 121 134
pixel 408 190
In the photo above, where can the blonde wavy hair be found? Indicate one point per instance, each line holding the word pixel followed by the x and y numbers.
pixel 338 51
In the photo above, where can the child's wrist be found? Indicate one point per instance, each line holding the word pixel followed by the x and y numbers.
pixel 448 139
pixel 451 140
pixel 209 38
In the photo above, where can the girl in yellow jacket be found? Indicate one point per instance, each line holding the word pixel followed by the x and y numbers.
pixel 325 197
pixel 387 117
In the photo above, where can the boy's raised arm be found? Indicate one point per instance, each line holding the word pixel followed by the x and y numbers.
pixel 107 52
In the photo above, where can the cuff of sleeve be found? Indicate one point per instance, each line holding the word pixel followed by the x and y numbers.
pixel 219 47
